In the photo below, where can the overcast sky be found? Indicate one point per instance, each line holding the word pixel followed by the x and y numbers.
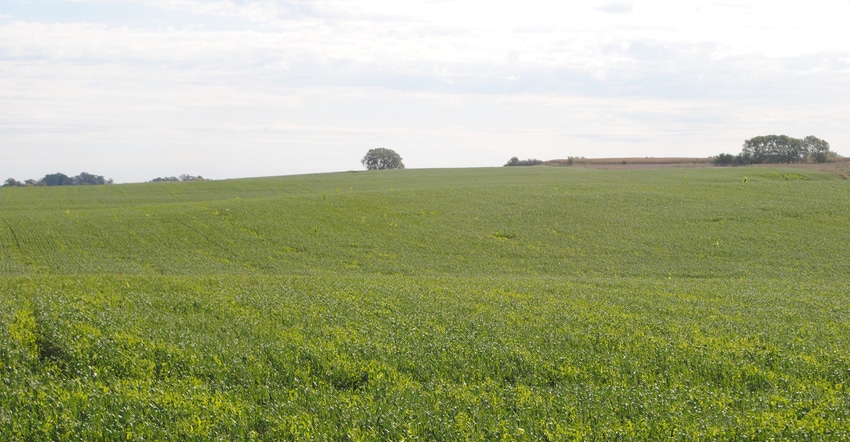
pixel 137 89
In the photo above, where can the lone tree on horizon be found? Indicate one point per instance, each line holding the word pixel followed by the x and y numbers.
pixel 381 158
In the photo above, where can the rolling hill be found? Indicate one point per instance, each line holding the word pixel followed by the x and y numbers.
pixel 511 303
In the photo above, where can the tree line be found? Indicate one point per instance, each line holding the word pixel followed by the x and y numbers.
pixel 60 179
pixel 184 177
pixel 84 178
pixel 778 149
pixel 514 161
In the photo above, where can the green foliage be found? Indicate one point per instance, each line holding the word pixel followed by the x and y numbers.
pixel 381 158
pixel 484 304
pixel 784 149
pixel 85 178
pixel 60 179
pixel 727 159
pixel 514 161
pixel 57 179
pixel 817 149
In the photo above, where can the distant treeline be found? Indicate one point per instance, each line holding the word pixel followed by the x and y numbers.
pixel 517 162
pixel 778 149
pixel 184 177
pixel 84 178
pixel 60 179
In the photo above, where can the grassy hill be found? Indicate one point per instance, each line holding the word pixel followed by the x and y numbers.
pixel 510 303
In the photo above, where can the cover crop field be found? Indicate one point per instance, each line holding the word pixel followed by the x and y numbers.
pixel 547 303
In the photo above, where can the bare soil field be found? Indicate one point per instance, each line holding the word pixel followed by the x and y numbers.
pixel 840 165
pixel 632 163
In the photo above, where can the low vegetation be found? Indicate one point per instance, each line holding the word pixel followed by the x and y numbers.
pixel 483 304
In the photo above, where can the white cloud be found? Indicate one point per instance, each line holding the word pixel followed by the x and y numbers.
pixel 616 7
pixel 482 81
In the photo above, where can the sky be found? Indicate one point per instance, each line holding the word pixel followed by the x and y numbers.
pixel 138 89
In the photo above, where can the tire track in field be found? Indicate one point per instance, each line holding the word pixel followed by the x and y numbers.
pixel 225 256
pixel 201 234
pixel 15 239
pixel 16 253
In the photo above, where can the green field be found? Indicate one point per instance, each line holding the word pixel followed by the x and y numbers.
pixel 544 303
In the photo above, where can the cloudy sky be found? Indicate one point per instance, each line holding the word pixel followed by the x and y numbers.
pixel 136 89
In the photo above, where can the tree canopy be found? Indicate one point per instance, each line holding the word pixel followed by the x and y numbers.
pixel 87 178
pixel 60 179
pixel 778 149
pixel 57 179
pixel 381 158
pixel 514 161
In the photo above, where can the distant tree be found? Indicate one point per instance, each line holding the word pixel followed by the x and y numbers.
pixel 770 149
pixel 784 149
pixel 57 179
pixel 817 149
pixel 724 159
pixel 187 177
pixel 85 178
pixel 779 149
pixel 381 158
pixel 514 161
pixel 60 179
pixel 163 179
pixel 727 159
pixel 11 182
